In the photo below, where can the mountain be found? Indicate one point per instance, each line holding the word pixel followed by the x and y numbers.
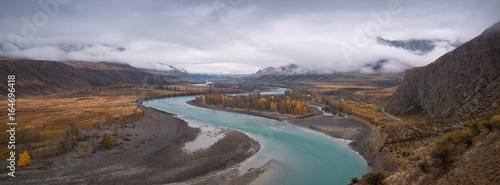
pixel 169 70
pixel 290 69
pixel 40 77
pixel 418 46
pixel 342 79
pixel 225 78
pixel 462 83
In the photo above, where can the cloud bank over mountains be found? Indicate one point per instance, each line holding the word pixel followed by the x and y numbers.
pixel 241 36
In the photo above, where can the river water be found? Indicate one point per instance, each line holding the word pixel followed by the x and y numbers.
pixel 303 156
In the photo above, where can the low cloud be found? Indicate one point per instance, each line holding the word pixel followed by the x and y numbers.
pixel 240 36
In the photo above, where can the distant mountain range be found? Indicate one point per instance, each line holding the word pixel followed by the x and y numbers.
pixel 417 46
pixel 294 75
pixel 69 47
pixel 170 71
pixel 290 69
pixel 40 77
pixel 222 77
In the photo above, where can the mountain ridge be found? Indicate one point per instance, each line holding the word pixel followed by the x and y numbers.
pixel 417 46
pixel 42 77
pixel 461 83
pixel 290 69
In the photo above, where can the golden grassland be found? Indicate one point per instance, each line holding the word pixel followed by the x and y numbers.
pixel 339 86
pixel 51 115
pixel 409 135
pixel 376 96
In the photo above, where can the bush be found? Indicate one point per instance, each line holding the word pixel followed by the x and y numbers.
pixel 459 136
pixel 374 178
pixel 494 122
pixel 424 166
pixel 475 126
pixel 24 159
pixel 107 140
pixel 442 153
pixel 76 132
pixel 354 180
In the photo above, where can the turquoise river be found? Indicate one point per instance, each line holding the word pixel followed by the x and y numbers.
pixel 304 156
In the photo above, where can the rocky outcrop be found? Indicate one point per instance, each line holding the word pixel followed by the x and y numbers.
pixel 461 83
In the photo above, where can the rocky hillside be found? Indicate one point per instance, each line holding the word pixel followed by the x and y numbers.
pixel 39 77
pixel 462 83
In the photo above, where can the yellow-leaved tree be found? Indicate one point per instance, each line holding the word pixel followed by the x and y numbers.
pixel 24 159
pixel 298 108
pixel 107 140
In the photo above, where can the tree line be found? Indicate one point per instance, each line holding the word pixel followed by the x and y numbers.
pixel 283 104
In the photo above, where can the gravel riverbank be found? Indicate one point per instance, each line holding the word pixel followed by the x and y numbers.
pixel 366 141
pixel 151 154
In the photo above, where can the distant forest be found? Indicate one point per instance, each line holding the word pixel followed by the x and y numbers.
pixel 290 103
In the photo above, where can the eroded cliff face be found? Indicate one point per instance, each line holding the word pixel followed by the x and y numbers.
pixel 462 83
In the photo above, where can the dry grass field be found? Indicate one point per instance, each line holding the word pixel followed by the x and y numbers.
pixel 377 96
pixel 43 119
pixel 403 135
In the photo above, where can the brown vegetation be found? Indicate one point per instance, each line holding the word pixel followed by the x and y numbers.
pixel 58 121
pixel 373 178
pixel 465 155
pixel 107 140
pixel 378 96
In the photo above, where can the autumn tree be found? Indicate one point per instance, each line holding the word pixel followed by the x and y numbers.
pixel 274 107
pixel 262 103
pixel 298 108
pixel 107 140
pixel 283 104
pixel 24 159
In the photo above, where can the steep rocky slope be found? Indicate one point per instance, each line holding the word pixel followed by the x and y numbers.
pixel 461 83
pixel 38 77
pixel 474 164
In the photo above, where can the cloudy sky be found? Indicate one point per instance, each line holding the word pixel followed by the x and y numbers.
pixel 238 36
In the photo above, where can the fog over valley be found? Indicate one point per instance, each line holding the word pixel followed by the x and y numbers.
pixel 243 36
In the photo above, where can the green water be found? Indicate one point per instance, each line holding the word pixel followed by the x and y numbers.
pixel 304 157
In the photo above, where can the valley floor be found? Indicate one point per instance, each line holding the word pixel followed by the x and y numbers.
pixel 152 153
pixel 366 141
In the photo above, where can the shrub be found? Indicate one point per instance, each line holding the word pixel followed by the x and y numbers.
pixel 77 132
pixel 354 180
pixel 460 136
pixel 107 140
pixel 442 153
pixel 374 178
pixel 475 126
pixel 424 166
pixel 24 159
pixel 494 122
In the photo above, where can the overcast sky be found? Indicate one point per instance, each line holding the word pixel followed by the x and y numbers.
pixel 238 36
